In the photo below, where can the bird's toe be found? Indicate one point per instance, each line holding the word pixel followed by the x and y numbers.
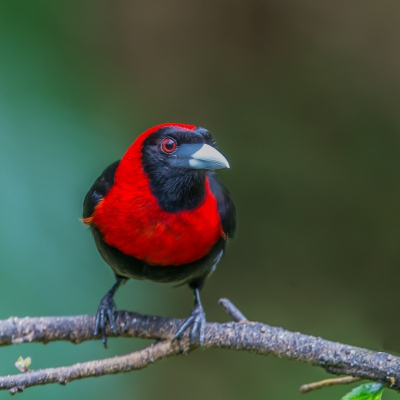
pixel 197 323
pixel 105 313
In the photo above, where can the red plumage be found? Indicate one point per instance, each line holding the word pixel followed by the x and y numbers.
pixel 139 227
pixel 130 218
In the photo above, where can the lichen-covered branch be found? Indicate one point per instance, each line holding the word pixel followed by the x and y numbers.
pixel 254 337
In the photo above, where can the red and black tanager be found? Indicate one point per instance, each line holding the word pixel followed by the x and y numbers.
pixel 160 213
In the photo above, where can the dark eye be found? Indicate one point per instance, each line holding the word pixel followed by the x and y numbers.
pixel 168 145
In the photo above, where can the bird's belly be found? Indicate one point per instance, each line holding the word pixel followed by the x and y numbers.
pixel 162 238
pixel 126 266
pixel 172 242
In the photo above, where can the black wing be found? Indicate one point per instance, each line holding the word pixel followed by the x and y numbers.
pixel 99 189
pixel 226 208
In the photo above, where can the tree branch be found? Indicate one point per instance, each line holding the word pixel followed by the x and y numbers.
pixel 232 310
pixel 255 337
pixel 129 362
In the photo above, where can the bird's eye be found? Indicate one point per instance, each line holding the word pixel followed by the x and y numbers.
pixel 168 145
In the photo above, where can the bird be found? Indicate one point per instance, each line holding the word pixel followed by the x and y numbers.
pixel 161 214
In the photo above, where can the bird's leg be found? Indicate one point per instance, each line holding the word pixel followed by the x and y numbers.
pixel 197 321
pixel 106 312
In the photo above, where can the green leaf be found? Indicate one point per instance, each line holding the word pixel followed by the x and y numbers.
pixel 369 391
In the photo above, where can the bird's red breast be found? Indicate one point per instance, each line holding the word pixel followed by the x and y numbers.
pixel 131 219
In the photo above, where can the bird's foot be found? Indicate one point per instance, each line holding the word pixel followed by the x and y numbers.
pixel 105 313
pixel 197 321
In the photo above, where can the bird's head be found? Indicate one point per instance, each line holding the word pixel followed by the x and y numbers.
pixel 176 158
pixel 181 146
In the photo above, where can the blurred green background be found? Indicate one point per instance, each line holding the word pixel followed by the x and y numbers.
pixel 302 98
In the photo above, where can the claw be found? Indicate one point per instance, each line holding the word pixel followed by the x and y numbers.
pixel 105 313
pixel 194 332
pixel 202 332
pixel 96 324
pixel 197 321
pixel 111 319
pixel 183 328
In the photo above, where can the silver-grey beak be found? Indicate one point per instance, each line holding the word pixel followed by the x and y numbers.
pixel 200 156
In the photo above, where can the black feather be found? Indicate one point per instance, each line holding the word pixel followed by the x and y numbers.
pixel 176 189
pixel 226 207
pixel 99 189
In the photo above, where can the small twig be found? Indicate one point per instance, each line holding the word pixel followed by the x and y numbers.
pixel 328 382
pixel 133 361
pixel 232 310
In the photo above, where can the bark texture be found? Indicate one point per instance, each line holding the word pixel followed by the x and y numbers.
pixel 255 337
